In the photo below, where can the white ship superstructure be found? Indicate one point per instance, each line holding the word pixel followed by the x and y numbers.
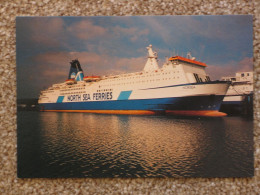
pixel 240 88
pixel 180 86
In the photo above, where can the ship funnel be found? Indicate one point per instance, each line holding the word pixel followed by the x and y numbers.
pixel 76 71
pixel 151 63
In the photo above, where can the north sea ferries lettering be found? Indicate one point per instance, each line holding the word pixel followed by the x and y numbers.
pixel 89 97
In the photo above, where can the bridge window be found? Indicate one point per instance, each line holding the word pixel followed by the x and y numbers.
pixel 196 77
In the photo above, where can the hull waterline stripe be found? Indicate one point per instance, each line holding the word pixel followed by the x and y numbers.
pixel 208 113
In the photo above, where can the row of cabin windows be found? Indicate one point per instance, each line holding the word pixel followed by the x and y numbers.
pixel 72 89
pixel 104 90
pixel 230 79
pixel 141 76
pixel 77 92
pixel 143 81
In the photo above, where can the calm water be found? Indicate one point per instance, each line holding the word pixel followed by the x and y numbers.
pixel 94 145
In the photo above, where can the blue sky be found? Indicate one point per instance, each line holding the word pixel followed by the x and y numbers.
pixel 113 45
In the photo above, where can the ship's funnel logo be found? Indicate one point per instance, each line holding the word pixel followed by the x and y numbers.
pixel 73 75
pixel 75 71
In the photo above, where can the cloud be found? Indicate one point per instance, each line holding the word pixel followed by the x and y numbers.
pixel 217 27
pixel 45 31
pixel 158 28
pixel 120 41
pixel 132 33
pixel 50 73
pixel 48 64
pixel 245 64
pixel 130 64
pixel 178 30
pixel 230 69
pixel 86 30
pixel 139 34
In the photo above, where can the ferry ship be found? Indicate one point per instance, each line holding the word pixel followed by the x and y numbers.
pixel 239 96
pixel 180 87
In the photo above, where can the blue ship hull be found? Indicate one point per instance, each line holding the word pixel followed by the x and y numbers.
pixel 194 103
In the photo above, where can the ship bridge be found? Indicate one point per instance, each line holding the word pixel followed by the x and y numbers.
pixel 193 69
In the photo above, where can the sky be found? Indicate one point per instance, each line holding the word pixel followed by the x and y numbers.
pixel 112 45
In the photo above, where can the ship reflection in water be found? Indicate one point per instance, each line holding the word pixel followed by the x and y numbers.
pixel 94 145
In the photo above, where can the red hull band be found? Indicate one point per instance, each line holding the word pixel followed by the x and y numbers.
pixel 208 113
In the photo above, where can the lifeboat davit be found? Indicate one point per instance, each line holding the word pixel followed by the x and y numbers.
pixel 91 78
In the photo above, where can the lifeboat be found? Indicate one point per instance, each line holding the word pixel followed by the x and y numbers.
pixel 91 78
pixel 70 81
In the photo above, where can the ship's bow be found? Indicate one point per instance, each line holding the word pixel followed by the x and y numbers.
pixel 206 100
